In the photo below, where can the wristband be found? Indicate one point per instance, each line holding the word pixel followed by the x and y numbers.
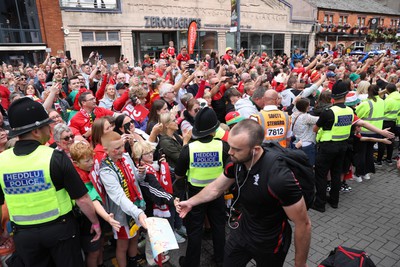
pixel 96 225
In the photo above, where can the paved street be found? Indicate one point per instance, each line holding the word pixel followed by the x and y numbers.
pixel 368 218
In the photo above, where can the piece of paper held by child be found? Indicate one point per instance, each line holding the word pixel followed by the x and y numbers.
pixel 161 236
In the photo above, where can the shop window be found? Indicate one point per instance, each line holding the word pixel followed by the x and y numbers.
pixel 262 42
pixel 92 5
pixel 300 41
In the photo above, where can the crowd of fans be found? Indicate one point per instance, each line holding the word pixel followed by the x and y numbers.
pixel 153 107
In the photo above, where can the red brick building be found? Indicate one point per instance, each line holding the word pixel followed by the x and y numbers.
pixel 50 20
pixel 346 24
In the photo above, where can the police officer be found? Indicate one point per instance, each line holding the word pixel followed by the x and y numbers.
pixel 203 161
pixel 38 184
pixel 371 110
pixel 276 123
pixel 391 114
pixel 333 129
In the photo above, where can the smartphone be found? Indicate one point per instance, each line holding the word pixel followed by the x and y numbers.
pixel 48 50
pixel 127 127
pixel 121 58
pixel 58 61
pixel 68 54
pixel 140 161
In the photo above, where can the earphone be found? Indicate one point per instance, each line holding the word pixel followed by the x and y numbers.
pixel 236 225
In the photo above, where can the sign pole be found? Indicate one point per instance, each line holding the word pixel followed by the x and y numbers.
pixel 238 26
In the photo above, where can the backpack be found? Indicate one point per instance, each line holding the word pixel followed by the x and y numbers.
pixel 297 161
pixel 347 257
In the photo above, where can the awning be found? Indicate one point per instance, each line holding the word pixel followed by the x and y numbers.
pixel 22 47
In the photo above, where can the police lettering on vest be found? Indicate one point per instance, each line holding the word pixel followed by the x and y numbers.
pixel 341 126
pixel 205 162
pixel 28 189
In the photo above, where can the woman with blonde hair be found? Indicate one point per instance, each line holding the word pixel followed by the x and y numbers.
pixel 362 90
pixel 170 141
pixel 109 97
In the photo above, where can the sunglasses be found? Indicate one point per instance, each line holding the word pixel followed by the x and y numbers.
pixel 128 124
pixel 22 79
pixel 67 138
pixel 200 77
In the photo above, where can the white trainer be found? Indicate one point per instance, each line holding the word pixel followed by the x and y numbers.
pixel 358 179
pixel 179 238
pixel 366 177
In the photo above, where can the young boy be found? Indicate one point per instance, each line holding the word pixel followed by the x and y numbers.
pixel 171 49
pixel 82 156
pixel 124 199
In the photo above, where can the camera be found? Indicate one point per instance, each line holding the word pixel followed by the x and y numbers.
pixel 229 74
pixel 191 68
pixel 153 85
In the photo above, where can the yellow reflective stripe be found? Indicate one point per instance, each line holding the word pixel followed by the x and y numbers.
pixel 36 217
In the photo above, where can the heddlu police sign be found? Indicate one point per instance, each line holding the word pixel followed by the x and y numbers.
pixel 24 182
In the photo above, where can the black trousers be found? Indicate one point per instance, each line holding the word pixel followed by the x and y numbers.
pixel 389 148
pixel 238 251
pixel 364 158
pixel 194 221
pixel 55 244
pixel 330 157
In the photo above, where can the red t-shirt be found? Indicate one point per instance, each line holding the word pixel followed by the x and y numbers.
pixel 299 70
pixel 161 73
pixel 4 97
pixel 82 122
pixel 227 57
pixel 181 58
pixel 164 56
pixel 171 51
pixel 220 93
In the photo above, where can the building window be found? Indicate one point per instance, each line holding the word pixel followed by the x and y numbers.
pixel 300 41
pixel 87 37
pixel 93 5
pixel 361 21
pixel 271 43
pixel 19 22
pixel 343 20
pixel 358 46
pixel 113 36
pixel 100 36
pixel 328 19
pixel 382 21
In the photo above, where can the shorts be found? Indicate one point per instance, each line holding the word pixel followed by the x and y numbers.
pixel 88 246
pixel 123 233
